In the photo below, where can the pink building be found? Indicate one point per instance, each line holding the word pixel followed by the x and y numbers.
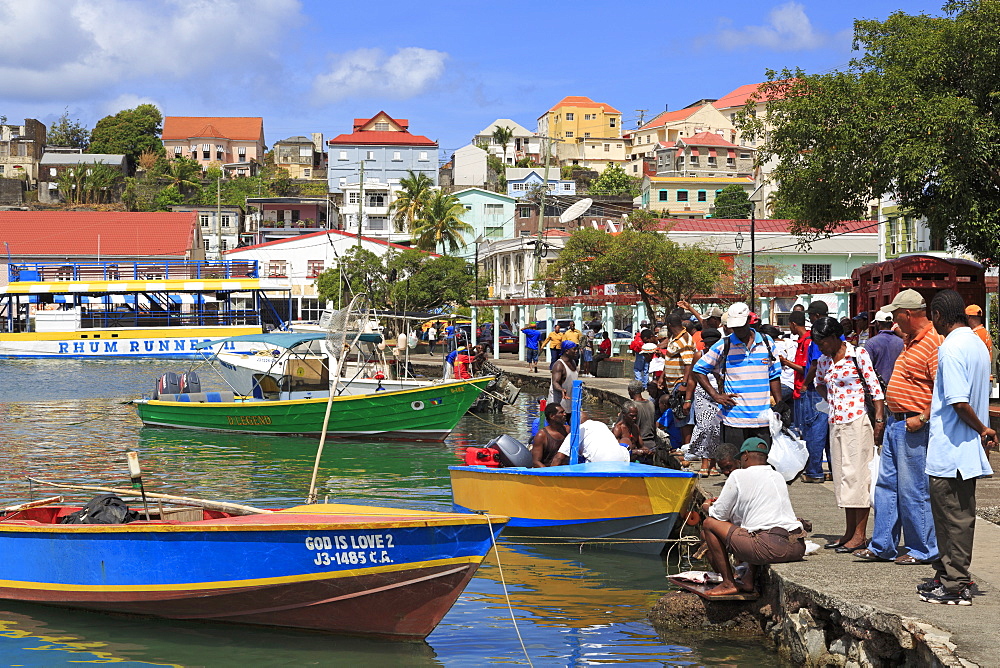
pixel 235 143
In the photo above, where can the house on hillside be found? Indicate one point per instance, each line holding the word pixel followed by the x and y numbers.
pixel 589 133
pixel 301 259
pixel 512 265
pixel 53 166
pixel 703 154
pixel 469 168
pixel 112 237
pixel 21 149
pixel 221 228
pixel 235 144
pixel 303 157
pixel 523 143
pixel 669 126
pixel 524 180
pixel 688 196
pixel 378 152
pixel 490 214
pixel 282 217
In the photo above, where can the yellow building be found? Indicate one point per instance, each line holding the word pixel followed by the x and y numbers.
pixel 578 123
pixel 687 196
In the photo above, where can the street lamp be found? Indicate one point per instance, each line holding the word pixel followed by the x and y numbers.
pixel 739 241
pixel 478 241
pixel 753 245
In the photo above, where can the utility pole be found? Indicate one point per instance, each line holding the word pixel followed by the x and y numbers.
pixel 541 207
pixel 361 200
pixel 218 217
pixel 642 116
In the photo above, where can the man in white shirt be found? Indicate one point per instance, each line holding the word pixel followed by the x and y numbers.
pixel 597 444
pixel 752 519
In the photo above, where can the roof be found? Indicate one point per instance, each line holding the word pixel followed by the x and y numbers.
pixel 581 101
pixel 312 235
pixel 248 128
pixel 707 139
pixel 521 173
pixel 519 130
pixel 400 137
pixel 299 139
pixel 485 192
pixel 705 179
pixel 665 117
pixel 81 159
pixel 763 226
pixel 71 234
pixel 738 97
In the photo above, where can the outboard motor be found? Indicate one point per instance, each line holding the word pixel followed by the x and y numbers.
pixel 190 383
pixel 169 383
pixel 512 451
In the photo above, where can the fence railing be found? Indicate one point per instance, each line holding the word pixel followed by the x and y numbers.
pixel 125 271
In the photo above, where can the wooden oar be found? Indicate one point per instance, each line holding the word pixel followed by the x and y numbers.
pixel 32 504
pixel 179 500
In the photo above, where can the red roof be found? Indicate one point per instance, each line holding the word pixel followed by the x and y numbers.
pixel 665 117
pixel 401 122
pixel 223 127
pixel 763 226
pixel 320 233
pixel 401 137
pixel 706 139
pixel 739 97
pixel 580 101
pixel 69 234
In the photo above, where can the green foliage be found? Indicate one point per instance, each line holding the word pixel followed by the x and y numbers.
pixel 167 198
pixel 410 202
pixel 184 174
pixel 129 132
pixel 496 165
pixel 526 163
pixel 614 181
pixel 440 224
pixel 65 132
pixel 915 115
pixel 658 268
pixel 502 136
pixel 214 171
pixel 91 184
pixel 643 220
pixel 732 202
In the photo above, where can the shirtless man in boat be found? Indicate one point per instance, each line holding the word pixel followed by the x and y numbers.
pixel 627 431
pixel 752 519
pixel 548 439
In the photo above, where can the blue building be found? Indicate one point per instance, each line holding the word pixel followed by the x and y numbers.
pixel 387 150
pixel 490 214
pixel 522 180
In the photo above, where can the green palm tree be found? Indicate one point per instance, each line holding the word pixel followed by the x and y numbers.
pixel 502 136
pixel 183 173
pixel 411 199
pixel 441 224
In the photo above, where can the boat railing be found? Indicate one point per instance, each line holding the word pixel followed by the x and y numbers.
pixel 129 271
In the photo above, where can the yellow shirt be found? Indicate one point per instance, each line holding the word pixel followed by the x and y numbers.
pixel 553 340
pixel 572 335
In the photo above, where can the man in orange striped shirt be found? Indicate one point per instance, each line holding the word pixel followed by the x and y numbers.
pixel 974 314
pixel 902 494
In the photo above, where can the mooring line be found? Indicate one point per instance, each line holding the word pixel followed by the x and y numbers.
pixel 503 583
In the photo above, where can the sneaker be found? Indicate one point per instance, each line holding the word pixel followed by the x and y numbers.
pixel 945 597
pixel 929 586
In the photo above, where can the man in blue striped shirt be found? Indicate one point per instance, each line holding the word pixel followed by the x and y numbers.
pixel 751 378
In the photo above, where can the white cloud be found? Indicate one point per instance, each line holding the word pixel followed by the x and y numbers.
pixel 788 29
pixel 69 49
pixel 127 101
pixel 369 72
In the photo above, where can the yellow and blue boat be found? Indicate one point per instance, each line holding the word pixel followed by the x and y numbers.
pixel 335 568
pixel 624 505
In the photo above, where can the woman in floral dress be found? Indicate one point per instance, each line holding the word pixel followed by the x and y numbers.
pixel 707 424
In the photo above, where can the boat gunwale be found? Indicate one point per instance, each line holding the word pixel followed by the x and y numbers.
pixel 586 470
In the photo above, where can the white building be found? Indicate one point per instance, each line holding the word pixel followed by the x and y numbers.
pixel 512 265
pixel 523 144
pixel 468 167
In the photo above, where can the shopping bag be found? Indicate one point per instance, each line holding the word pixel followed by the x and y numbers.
pixel 788 453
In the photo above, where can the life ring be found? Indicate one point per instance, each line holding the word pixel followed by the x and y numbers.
pixel 417 405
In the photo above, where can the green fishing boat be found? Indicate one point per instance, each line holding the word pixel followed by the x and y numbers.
pixel 424 414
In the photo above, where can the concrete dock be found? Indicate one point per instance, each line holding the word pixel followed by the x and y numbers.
pixel 835 609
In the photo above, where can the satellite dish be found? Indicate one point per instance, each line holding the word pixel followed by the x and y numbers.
pixel 575 210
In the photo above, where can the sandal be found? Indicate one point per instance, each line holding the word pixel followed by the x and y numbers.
pixel 703 473
pixel 868 555
pixel 908 560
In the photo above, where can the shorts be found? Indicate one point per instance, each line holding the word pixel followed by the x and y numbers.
pixel 770 546
pixel 588 355
pixel 736 435
pixel 531 355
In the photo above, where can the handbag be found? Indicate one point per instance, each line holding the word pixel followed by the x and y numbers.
pixel 869 402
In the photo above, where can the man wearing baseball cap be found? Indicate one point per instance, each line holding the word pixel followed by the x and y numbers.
pixel 750 372
pixel 752 519
pixel 974 314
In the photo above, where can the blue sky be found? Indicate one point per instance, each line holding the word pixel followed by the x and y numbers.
pixel 450 67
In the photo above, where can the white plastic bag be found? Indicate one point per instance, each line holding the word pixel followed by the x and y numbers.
pixel 412 341
pixel 873 467
pixel 788 453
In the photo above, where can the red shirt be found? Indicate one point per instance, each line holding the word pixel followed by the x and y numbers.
pixel 605 347
pixel 802 359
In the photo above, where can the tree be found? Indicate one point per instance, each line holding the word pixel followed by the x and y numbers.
pixel 90 184
pixel 410 202
pixel 184 174
pixel 502 136
pixel 496 165
pixel 614 181
pixel 915 115
pixel 657 267
pixel 129 132
pixel 167 198
pixel 441 224
pixel 359 270
pixel 65 132
pixel 423 282
pixel 732 202
pixel 643 220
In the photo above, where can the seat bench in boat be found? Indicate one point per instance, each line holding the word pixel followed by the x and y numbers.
pixel 199 397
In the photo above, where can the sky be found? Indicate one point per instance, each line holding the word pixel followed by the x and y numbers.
pixel 450 67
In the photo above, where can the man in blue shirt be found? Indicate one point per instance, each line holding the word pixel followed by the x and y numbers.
pixel 531 339
pixel 884 348
pixel 957 448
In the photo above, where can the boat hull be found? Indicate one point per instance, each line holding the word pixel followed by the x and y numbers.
pixel 117 343
pixel 427 414
pixel 623 506
pixel 392 575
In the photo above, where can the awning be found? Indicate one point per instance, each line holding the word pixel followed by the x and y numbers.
pixel 171 286
pixel 694 150
pixel 280 339
pixel 711 153
pixel 186 298
pixel 732 153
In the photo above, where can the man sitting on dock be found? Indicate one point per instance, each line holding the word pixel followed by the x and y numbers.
pixel 752 519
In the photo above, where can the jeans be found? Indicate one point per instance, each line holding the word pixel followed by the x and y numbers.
pixel 814 428
pixel 902 496
pixel 641 375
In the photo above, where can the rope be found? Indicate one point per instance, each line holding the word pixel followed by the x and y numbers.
pixel 503 583
pixel 548 540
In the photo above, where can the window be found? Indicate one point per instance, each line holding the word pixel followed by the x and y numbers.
pixel 815 273
pixel 517 186
pixel 493 211
pixel 711 161
pixel 694 160
pixel 206 242
pixel 352 198
pixel 307 172
pixel 682 195
pixel 587 117
pixel 607 148
pixel 567 186
pixel 702 196
pixel 227 220
pixel 423 156
pixel 524 212
pixel 277 269
pixel 52 171
pixel 224 246
pixel 569 116
pixel 468 207
pixel 375 199
pixel 204 219
pixel 618 146
pixel 730 161
pixel 177 151
pixel 397 156
pixel 635 169
pixel 612 122
pixel 314 268
pixel 206 151
pixel 569 133
pixel 242 153
pixel 342 155
pixel 664 195
pixel 382 126
pixel 744 156
pixel 369 155
pixel 377 223
pixel 1 168
pixel 219 151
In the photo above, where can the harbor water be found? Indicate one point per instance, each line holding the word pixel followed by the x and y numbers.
pixel 69 421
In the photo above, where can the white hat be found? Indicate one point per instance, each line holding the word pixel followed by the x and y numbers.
pixel 883 316
pixel 738 314
pixel 649 347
